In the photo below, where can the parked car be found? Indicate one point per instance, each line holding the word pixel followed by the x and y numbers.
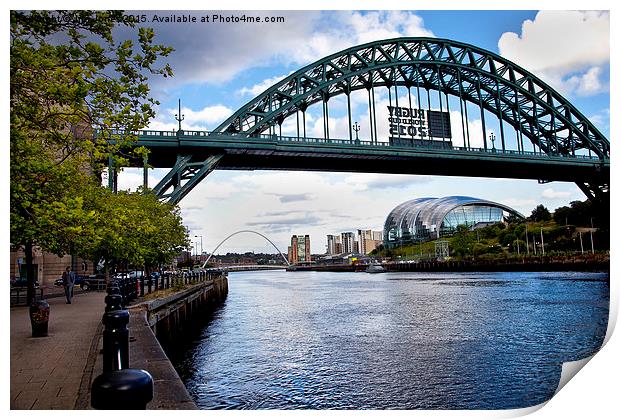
pixel 94 282
pixel 128 274
pixel 79 281
pixel 21 282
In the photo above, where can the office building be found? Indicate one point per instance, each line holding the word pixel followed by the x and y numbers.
pixel 369 240
pixel 348 240
pixel 299 251
pixel 334 245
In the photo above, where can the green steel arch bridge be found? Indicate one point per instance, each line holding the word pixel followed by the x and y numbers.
pixel 540 135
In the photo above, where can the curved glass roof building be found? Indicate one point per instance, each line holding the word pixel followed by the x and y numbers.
pixel 429 218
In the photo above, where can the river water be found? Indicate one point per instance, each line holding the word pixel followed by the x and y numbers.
pixel 308 340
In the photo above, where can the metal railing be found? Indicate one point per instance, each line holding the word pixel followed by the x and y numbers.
pixel 120 387
pixel 166 136
pixel 134 287
pixel 19 295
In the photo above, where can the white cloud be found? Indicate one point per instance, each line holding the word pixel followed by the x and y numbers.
pixel 601 118
pixel 364 182
pixel 522 205
pixel 552 194
pixel 208 115
pixel 342 29
pixel 588 83
pixel 204 119
pixel 565 48
pixel 259 88
pixel 215 53
pixel 562 41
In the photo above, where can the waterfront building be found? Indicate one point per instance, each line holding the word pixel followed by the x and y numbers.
pixel 369 240
pixel 348 240
pixel 299 251
pixel 47 267
pixel 291 258
pixel 334 245
pixel 427 218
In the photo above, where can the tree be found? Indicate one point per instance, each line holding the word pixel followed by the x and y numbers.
pixel 69 76
pixel 463 241
pixel 540 214
pixel 137 229
pixel 563 216
pixel 513 218
pixel 126 227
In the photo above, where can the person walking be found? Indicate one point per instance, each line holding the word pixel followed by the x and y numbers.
pixel 68 280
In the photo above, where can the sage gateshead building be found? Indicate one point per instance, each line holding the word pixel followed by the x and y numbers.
pixel 424 219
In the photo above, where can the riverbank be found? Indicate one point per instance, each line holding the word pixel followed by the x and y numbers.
pixel 526 264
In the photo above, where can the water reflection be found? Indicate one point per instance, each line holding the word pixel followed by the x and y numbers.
pixel 393 340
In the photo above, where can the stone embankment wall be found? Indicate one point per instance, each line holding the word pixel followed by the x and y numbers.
pixel 173 316
pixel 156 323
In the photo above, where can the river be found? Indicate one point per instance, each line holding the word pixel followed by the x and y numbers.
pixel 308 340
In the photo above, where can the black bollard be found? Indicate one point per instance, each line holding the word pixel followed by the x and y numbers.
pixel 113 303
pixel 142 280
pixel 126 389
pixel 122 285
pixel 115 340
pixel 135 288
pixel 114 290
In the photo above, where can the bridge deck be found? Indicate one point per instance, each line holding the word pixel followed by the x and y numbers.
pixel 317 154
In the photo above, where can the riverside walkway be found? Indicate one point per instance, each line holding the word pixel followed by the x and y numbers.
pixel 56 372
pixel 53 372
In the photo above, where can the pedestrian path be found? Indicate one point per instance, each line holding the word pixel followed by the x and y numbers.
pixel 49 372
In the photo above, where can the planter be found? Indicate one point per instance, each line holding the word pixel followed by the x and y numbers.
pixel 39 318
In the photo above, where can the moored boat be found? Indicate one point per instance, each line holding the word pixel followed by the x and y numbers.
pixel 375 267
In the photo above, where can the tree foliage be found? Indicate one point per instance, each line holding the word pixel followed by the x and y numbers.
pixel 540 214
pixel 463 241
pixel 578 214
pixel 68 77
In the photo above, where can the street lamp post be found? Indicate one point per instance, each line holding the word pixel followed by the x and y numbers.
pixel 179 117
pixel 492 137
pixel 356 128
pixel 199 236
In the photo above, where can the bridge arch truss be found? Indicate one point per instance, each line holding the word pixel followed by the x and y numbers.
pixel 474 75
pixel 542 120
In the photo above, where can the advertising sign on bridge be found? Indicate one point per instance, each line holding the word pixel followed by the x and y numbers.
pixel 419 127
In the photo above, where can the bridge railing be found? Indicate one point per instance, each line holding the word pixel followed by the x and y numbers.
pixel 178 279
pixel 441 146
pixel 167 136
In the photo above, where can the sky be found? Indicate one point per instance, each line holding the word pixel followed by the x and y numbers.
pixel 218 67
